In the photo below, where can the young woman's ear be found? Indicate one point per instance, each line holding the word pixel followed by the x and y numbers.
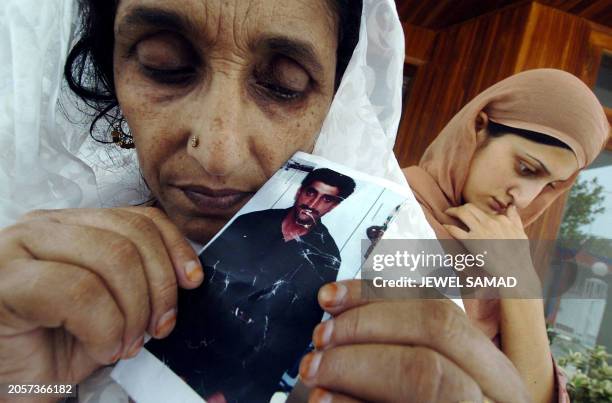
pixel 481 124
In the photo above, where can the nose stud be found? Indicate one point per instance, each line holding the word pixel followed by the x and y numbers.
pixel 195 141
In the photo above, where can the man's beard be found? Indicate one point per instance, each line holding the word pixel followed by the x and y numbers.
pixel 312 216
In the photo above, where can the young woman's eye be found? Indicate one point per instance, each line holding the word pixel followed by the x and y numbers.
pixel 525 170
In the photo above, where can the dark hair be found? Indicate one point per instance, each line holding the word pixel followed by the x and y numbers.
pixel 89 66
pixel 344 183
pixel 349 21
pixel 498 130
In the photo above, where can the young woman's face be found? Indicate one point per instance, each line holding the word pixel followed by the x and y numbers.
pixel 252 80
pixel 514 170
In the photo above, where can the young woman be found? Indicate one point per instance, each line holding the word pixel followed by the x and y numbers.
pixel 499 163
pixel 217 95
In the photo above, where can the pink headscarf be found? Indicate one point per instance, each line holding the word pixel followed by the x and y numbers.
pixel 548 101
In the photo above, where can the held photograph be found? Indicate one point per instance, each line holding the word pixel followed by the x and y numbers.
pixel 243 331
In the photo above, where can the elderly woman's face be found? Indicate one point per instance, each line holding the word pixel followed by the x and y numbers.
pixel 251 80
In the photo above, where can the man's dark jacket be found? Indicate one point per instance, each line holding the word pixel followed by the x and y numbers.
pixel 253 317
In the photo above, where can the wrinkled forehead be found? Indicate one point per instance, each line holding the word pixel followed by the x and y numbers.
pixel 239 23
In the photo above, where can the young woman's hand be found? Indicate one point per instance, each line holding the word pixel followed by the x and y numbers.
pixel 522 327
pixel 403 351
pixel 484 226
pixel 503 238
pixel 79 288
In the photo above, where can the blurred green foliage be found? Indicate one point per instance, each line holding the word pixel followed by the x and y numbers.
pixel 590 375
pixel 584 203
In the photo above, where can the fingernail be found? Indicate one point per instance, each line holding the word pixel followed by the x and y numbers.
pixel 166 323
pixel 135 347
pixel 332 294
pixel 216 398
pixel 323 333
pixel 117 354
pixel 320 396
pixel 194 272
pixel 310 365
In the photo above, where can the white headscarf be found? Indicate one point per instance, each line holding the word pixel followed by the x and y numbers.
pixel 49 161
pixel 360 128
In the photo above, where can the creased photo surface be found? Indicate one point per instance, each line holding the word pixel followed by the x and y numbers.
pixel 241 334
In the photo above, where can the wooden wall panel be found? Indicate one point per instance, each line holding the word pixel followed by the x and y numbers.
pixel 440 14
pixel 600 41
pixel 466 59
pixel 599 11
pixel 419 44
pixel 554 39
pixel 560 40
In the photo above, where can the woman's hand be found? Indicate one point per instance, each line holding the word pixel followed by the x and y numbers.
pixel 505 242
pixel 403 351
pixel 522 326
pixel 484 226
pixel 78 289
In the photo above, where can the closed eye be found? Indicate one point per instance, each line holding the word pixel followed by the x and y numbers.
pixel 175 76
pixel 278 92
pixel 167 58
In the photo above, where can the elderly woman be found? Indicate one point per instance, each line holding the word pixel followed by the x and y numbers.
pixel 217 95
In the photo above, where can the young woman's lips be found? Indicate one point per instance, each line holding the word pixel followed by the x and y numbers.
pixel 209 201
pixel 497 206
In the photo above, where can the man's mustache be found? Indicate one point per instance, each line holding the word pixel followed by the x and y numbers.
pixel 310 211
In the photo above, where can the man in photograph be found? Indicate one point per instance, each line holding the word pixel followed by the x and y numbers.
pixel 253 317
pixel 298 229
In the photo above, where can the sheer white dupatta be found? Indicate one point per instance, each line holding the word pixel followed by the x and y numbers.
pixel 48 160
pixel 362 123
